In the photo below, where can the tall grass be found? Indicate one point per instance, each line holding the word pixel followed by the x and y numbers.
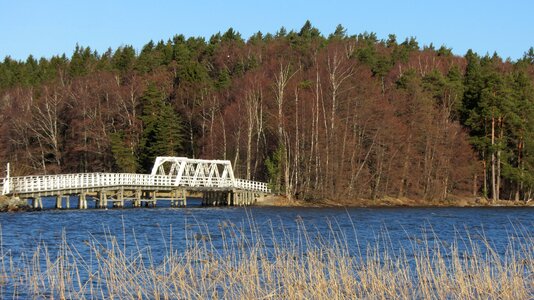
pixel 243 262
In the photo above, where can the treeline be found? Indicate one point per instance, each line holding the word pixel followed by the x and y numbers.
pixel 317 116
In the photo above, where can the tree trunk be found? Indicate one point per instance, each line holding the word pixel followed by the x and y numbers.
pixel 404 180
pixel 281 81
pixel 485 185
pixel 519 184
pixel 475 186
pixel 498 183
pixel 493 171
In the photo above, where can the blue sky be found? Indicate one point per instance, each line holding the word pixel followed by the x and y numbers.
pixel 45 28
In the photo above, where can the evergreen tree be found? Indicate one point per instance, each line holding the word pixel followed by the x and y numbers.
pixel 123 59
pixel 124 156
pixel 82 61
pixel 161 134
pixel 339 34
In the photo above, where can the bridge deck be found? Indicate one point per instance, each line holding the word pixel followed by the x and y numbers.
pixel 74 183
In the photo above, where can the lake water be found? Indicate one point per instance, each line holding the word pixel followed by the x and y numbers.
pixel 157 227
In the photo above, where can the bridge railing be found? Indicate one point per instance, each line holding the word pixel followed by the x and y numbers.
pixel 43 183
pixel 252 185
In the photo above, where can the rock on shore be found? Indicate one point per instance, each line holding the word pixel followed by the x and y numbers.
pixel 11 204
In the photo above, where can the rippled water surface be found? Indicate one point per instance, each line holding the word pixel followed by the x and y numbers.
pixel 157 227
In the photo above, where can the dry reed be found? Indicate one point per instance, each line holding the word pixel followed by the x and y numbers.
pixel 242 263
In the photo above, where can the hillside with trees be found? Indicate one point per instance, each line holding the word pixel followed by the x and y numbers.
pixel 336 116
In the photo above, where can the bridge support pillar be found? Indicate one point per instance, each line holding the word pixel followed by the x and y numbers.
pixel 82 201
pixel 121 197
pixel 37 203
pixel 59 201
pixel 178 198
pixel 215 198
pixel 154 198
pixel 147 198
pixel 210 198
pixel 102 200
pixel 137 198
pixel 222 196
pixel 119 201
pixel 67 201
pixel 239 198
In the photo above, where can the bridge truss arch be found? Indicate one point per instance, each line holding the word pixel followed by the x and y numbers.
pixel 195 172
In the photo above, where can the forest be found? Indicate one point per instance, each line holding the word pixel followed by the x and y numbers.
pixel 317 116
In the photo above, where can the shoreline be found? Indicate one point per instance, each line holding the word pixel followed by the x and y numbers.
pixel 282 201
pixel 17 205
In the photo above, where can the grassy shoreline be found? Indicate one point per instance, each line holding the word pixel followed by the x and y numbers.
pixel 283 201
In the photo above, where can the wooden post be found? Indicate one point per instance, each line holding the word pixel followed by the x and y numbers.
pixel 102 200
pixel 82 201
pixel 120 197
pixel 137 201
pixel 178 198
pixel 59 200
pixel 147 197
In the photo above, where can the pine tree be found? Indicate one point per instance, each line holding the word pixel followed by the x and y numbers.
pixel 124 156
pixel 161 134
pixel 123 59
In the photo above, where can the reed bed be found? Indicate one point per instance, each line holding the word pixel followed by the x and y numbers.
pixel 249 262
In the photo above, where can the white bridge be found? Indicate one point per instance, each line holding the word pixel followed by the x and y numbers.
pixel 168 174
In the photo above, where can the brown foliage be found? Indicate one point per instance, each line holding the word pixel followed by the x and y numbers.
pixel 342 130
